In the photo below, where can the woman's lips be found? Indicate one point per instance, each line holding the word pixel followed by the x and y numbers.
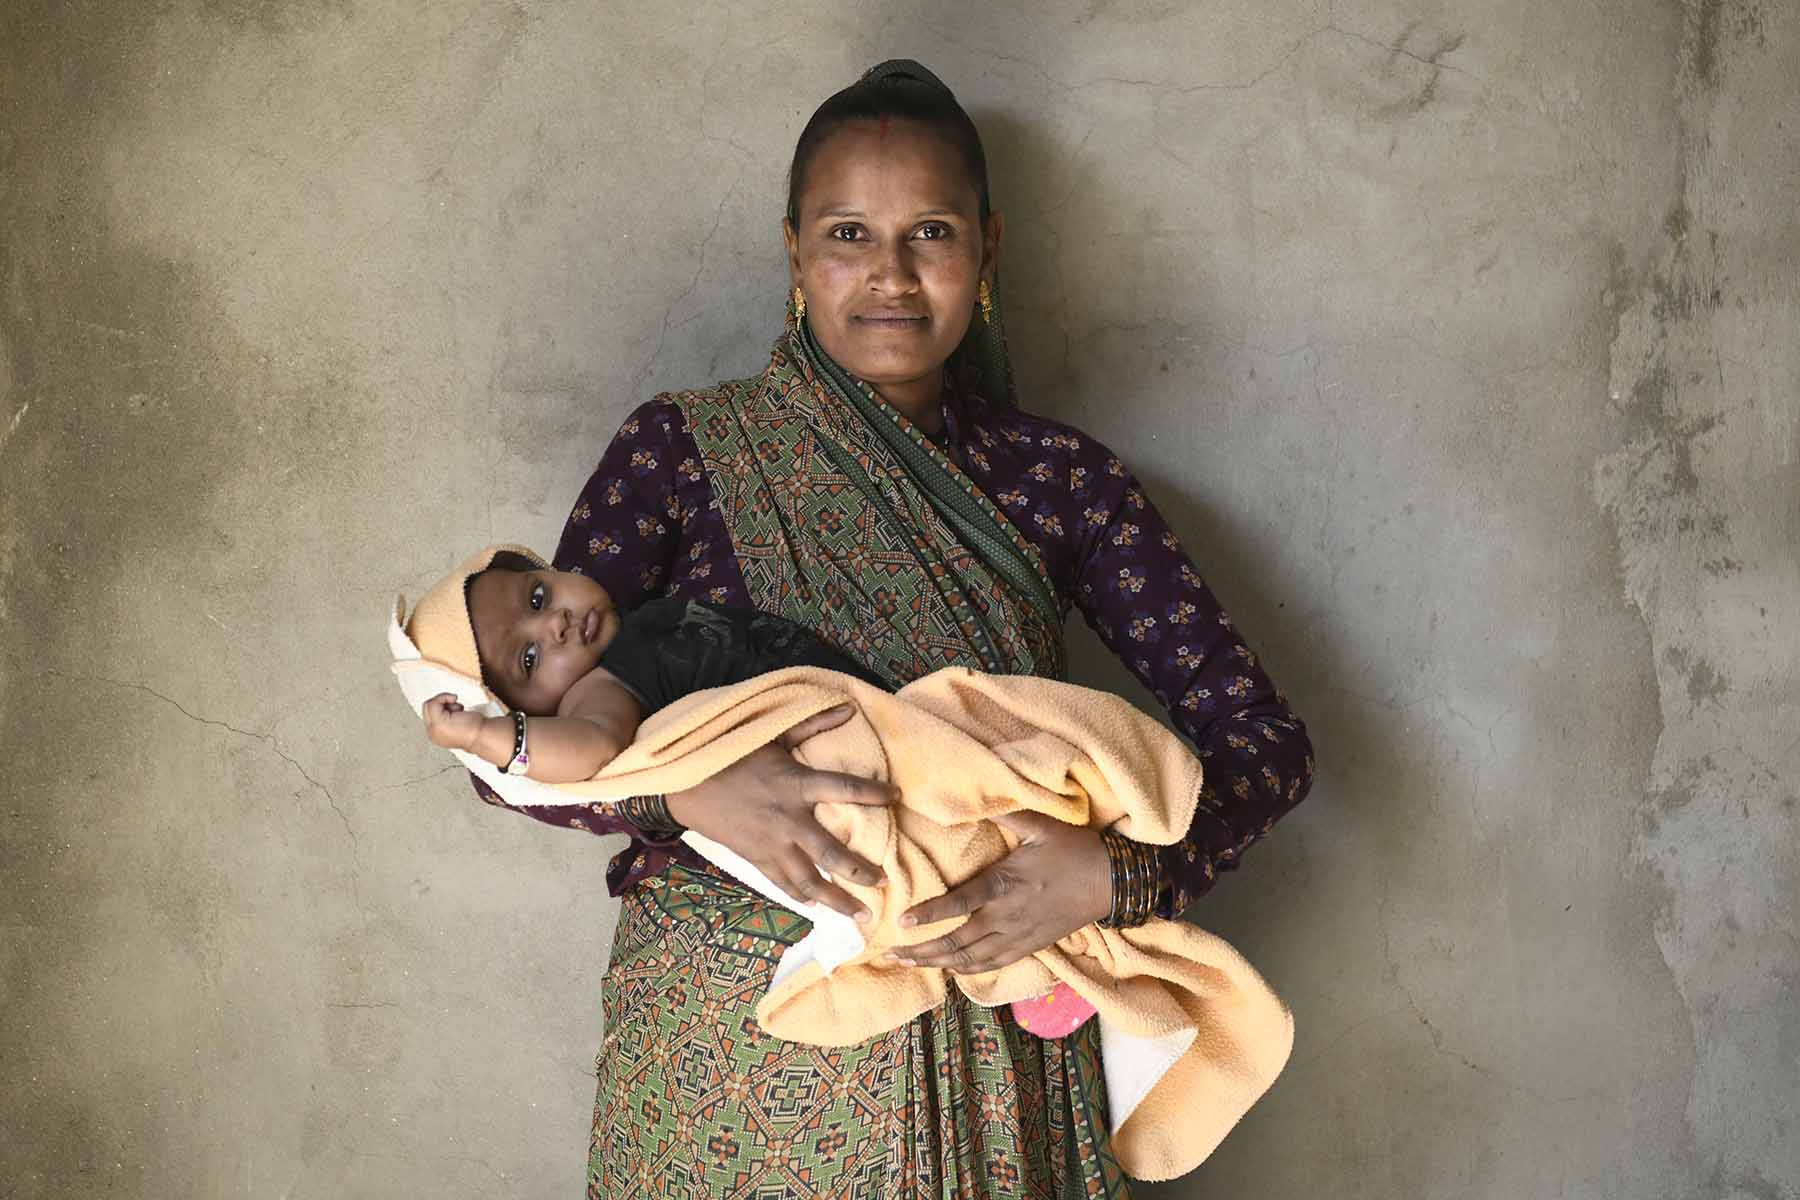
pixel 892 322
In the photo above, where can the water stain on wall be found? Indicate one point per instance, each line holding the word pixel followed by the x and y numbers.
pixel 1686 458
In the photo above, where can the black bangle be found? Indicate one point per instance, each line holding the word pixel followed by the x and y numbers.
pixel 1136 880
pixel 651 816
pixel 1116 868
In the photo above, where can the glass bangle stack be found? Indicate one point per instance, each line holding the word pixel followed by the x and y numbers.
pixel 1136 880
pixel 651 816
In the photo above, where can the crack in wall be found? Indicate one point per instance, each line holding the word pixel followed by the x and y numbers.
pixel 266 739
pixel 1447 44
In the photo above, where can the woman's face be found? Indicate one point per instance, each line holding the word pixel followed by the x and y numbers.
pixel 889 251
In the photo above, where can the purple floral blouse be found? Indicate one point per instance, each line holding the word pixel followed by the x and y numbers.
pixel 646 525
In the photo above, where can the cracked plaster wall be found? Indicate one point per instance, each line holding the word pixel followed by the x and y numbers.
pixel 1457 339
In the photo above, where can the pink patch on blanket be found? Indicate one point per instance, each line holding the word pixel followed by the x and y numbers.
pixel 1057 1013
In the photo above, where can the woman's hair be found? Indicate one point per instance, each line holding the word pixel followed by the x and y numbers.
pixel 899 90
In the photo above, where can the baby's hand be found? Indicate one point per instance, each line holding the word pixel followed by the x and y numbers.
pixel 449 724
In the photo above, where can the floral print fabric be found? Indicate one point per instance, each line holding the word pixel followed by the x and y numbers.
pixel 648 524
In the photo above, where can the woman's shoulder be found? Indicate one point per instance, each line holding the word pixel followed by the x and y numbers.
pixel 662 427
pixel 667 423
pixel 1039 447
pixel 724 392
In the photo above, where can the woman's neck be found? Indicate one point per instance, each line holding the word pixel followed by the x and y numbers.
pixel 919 401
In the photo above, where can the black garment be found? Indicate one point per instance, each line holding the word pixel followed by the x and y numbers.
pixel 667 649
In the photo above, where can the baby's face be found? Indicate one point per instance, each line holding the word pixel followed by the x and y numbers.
pixel 538 632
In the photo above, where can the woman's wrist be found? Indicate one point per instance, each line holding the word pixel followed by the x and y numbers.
pixel 1136 870
pixel 650 815
pixel 676 804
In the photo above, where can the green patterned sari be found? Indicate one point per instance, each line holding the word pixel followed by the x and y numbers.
pixel 845 517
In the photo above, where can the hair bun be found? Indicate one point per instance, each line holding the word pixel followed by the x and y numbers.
pixel 903 68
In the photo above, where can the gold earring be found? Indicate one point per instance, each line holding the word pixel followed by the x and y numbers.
pixel 987 303
pixel 799 303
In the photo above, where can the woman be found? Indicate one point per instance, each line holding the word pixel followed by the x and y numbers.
pixel 877 483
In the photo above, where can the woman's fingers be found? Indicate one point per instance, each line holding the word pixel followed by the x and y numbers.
pixel 797 876
pixel 990 954
pixel 1026 825
pixel 837 787
pixel 836 898
pixel 966 897
pixel 814 725
pixel 838 859
pixel 762 807
pixel 803 882
pixel 834 787
pixel 972 948
pixel 795 873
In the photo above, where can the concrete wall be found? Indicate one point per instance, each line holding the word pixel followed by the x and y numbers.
pixel 1457 337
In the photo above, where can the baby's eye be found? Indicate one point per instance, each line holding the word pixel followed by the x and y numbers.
pixel 528 658
pixel 537 597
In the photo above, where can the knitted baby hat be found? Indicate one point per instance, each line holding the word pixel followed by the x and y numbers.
pixel 440 625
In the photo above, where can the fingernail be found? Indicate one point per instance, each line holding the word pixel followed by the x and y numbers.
pixel 908 921
pixel 864 916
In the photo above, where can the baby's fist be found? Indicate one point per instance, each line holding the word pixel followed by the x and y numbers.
pixel 449 724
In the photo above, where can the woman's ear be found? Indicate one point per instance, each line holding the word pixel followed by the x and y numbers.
pixel 991 233
pixel 793 250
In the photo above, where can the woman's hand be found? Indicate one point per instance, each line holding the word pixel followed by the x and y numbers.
pixel 762 808
pixel 1057 880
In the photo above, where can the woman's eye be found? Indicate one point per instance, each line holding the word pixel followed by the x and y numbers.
pixel 528 658
pixel 537 597
pixel 845 233
pixel 932 231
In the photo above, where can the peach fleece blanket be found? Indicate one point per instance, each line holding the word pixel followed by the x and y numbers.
pixel 1191 1035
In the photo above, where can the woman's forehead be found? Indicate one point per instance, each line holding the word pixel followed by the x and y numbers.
pixel 860 168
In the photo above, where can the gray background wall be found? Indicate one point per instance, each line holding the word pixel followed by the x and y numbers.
pixel 1457 337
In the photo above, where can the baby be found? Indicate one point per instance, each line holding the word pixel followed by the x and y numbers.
pixel 578 675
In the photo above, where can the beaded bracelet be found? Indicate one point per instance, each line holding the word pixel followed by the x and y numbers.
pixel 1136 880
pixel 650 814
pixel 520 761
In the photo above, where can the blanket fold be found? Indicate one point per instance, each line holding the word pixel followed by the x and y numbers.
pixel 1206 1034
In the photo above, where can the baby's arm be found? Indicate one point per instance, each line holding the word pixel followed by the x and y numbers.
pixel 597 718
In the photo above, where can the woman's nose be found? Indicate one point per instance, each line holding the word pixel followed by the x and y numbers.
pixel 893 271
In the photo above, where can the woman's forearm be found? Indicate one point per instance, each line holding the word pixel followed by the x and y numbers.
pixel 1257 768
pixel 1144 596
